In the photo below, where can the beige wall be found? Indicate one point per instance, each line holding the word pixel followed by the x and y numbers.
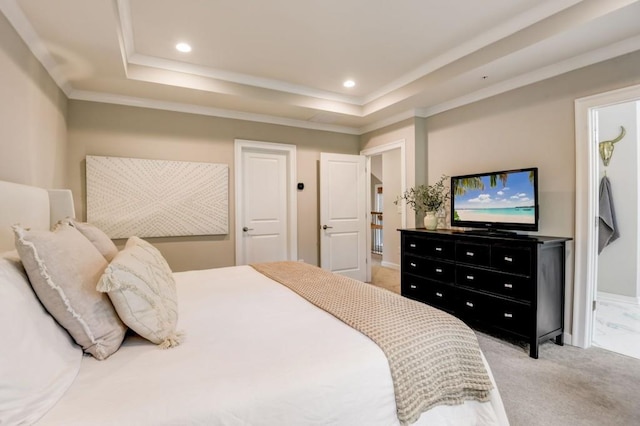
pixel 33 132
pixel 112 130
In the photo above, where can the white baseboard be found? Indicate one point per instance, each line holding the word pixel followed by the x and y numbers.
pixel 390 265
pixel 612 297
pixel 566 337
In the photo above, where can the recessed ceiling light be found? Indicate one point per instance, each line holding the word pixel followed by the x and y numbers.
pixel 183 47
pixel 349 83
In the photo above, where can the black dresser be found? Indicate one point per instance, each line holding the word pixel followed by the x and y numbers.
pixel 507 283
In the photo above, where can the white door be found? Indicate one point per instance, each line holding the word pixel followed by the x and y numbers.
pixel 343 214
pixel 264 216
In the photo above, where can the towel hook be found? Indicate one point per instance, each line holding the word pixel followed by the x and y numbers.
pixel 606 147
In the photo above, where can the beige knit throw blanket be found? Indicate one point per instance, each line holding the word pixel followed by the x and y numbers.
pixel 434 358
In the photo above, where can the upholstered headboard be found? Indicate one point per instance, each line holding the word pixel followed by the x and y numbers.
pixel 32 207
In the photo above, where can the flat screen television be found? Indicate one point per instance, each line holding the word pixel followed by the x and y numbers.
pixel 496 201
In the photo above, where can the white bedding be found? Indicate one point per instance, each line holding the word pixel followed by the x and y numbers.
pixel 254 354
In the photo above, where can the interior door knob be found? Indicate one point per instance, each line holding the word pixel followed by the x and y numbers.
pixel 326 227
pixel 245 229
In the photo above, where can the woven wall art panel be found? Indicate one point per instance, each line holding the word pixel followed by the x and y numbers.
pixel 156 198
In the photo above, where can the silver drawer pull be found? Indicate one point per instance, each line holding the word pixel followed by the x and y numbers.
pixel 412 245
pixel 439 294
pixel 470 277
pixel 438 270
pixel 508 315
pixel 469 304
pixel 508 259
pixel 507 285
pixel 470 253
pixel 413 286
pixel 438 248
pixel 413 265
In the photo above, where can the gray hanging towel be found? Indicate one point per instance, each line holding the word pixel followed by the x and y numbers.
pixel 608 228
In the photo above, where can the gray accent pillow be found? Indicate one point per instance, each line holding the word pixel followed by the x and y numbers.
pixel 98 238
pixel 142 288
pixel 64 267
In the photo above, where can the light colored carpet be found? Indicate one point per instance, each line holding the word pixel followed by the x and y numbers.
pixel 565 386
pixel 386 278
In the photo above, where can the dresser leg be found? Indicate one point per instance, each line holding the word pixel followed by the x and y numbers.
pixel 533 349
pixel 559 339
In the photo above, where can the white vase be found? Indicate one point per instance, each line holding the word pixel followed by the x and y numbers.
pixel 430 220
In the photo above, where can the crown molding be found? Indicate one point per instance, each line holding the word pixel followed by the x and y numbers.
pixel 25 30
pixel 528 18
pixel 133 57
pixel 84 95
pixel 599 55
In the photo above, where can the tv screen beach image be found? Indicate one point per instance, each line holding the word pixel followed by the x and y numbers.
pixel 503 197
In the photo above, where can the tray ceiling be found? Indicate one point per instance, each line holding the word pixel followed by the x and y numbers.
pixel 284 61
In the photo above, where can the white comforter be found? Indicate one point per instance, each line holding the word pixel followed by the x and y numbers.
pixel 254 353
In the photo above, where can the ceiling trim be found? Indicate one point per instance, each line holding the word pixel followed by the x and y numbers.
pixel 134 57
pixel 526 19
pixel 85 95
pixel 617 49
pixel 388 121
pixel 233 77
pixel 23 27
pixel 608 52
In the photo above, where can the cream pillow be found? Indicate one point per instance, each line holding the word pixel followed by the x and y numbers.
pixel 38 359
pixel 143 291
pixel 64 267
pixel 98 238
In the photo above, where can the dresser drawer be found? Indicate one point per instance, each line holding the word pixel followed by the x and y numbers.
pixel 473 306
pixel 413 265
pixel 412 287
pixel 415 245
pixel 474 254
pixel 511 316
pixel 473 277
pixel 440 295
pixel 429 268
pixel 442 249
pixel 439 271
pixel 515 286
pixel 432 292
pixel 516 259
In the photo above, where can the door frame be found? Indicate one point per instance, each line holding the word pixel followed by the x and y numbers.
pixel 242 145
pixel 377 150
pixel 586 250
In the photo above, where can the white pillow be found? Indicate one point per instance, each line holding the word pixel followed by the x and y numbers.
pixel 143 291
pixel 64 267
pixel 38 359
pixel 98 238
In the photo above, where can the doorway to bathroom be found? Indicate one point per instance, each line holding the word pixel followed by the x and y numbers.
pixel 616 325
pixel 607 275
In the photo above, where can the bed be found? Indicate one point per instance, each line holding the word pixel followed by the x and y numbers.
pixel 255 352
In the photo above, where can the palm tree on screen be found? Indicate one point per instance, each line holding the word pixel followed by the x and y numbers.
pixel 462 185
